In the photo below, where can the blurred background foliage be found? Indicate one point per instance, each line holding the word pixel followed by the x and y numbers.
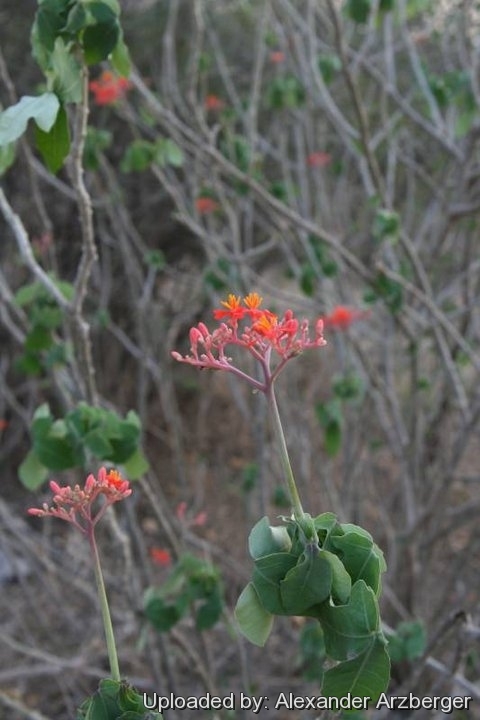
pixel 325 155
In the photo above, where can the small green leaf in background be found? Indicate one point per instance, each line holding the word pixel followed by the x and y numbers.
pixel 358 10
pixel 285 93
pixel 329 65
pixel 408 642
pixel 167 152
pixel 31 472
pixel 386 226
pixel 13 121
pixel 347 387
pixel 329 415
pixel 138 156
pixel 252 618
pixel 308 280
pixel 54 145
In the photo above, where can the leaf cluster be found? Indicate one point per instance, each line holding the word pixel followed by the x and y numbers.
pixel 84 432
pixel 195 585
pixel 66 35
pixel 42 348
pixel 115 701
pixel 322 569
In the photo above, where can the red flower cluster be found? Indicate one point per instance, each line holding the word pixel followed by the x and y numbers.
pixel 263 333
pixel 206 205
pixel 342 317
pixel 277 57
pixel 161 556
pixel 76 505
pixel 319 159
pixel 213 103
pixel 109 88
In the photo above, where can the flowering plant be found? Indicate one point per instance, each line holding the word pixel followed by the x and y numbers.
pixel 311 566
pixel 84 508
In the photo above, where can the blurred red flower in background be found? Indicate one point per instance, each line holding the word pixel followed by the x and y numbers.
pixel 109 88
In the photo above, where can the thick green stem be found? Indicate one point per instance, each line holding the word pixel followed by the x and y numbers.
pixel 107 620
pixel 287 468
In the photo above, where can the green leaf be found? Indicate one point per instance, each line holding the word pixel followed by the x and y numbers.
pixel 99 40
pixel 358 10
pixel 168 152
pixel 210 611
pixel 161 614
pixel 136 465
pixel 120 57
pixel 386 225
pixel 285 93
pixel 308 280
pixel 367 675
pixel 54 146
pixel 329 66
pixel 265 539
pixel 362 559
pixel 7 157
pixel 347 387
pixel 13 121
pixel 269 571
pixel 66 73
pixel 341 581
pixel 31 472
pixel 103 704
pixel 329 415
pixel 307 584
pixel 138 156
pixel 408 642
pixel 350 628
pixel 98 444
pixel 252 618
pixel 50 19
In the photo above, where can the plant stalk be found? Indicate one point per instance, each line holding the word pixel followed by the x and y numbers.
pixel 104 607
pixel 285 460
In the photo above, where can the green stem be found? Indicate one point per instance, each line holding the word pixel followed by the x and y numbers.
pixel 287 468
pixel 107 620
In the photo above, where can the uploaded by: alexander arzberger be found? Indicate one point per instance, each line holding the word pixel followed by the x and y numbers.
pixel 290 701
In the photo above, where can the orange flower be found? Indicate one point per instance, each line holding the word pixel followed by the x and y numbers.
pixel 253 301
pixel 213 103
pixel 277 57
pixel 342 317
pixel 234 310
pixel 161 556
pixel 319 159
pixel 206 205
pixel 109 88
pixel 266 324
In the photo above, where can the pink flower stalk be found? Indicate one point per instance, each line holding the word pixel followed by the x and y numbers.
pixel 258 331
pixel 76 505
pixel 197 521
